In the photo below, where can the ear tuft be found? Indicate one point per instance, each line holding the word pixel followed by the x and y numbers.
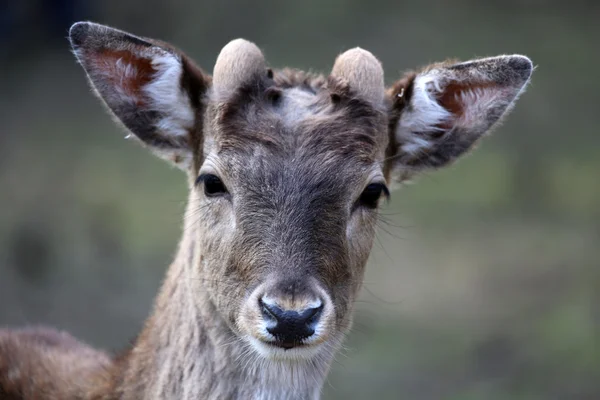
pixel 78 33
pixel 508 70
pixel 521 66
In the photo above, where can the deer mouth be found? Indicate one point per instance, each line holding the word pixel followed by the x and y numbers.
pixel 287 345
pixel 280 350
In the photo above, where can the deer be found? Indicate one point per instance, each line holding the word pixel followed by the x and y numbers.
pixel 287 172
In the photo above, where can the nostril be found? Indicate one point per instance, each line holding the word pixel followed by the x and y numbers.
pixel 267 312
pixel 311 315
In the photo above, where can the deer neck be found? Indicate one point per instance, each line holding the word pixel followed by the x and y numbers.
pixel 187 350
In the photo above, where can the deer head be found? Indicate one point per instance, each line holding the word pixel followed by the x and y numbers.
pixel 287 171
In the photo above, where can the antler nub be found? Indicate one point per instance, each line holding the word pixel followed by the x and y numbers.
pixel 238 62
pixel 363 72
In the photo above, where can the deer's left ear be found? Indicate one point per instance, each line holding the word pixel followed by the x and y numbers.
pixel 151 88
pixel 439 113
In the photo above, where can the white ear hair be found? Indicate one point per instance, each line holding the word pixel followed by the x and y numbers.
pixel 166 95
pixel 238 62
pixel 363 72
pixel 429 114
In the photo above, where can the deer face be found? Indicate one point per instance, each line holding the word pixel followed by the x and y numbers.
pixel 287 171
pixel 289 187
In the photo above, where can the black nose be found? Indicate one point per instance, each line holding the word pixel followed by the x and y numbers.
pixel 290 327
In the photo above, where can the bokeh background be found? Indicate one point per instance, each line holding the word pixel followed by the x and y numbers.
pixel 484 282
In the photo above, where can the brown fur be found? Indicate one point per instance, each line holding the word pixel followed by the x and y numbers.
pixel 40 363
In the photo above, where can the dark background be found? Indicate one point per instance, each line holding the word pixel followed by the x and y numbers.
pixel 485 283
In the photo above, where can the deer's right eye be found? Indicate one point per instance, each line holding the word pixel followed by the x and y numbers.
pixel 213 185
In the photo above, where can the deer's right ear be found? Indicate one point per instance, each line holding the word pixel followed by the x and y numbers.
pixel 154 90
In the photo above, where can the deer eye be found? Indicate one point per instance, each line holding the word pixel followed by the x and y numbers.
pixel 370 196
pixel 213 185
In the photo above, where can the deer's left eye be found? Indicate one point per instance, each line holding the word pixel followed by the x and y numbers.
pixel 213 185
pixel 370 196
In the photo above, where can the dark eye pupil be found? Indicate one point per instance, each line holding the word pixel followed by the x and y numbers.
pixel 213 186
pixel 371 195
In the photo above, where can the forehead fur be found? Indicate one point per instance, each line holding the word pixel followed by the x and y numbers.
pixel 299 114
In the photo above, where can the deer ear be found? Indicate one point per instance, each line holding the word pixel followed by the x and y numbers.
pixel 152 89
pixel 439 113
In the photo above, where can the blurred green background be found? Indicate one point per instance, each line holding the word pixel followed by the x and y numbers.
pixel 483 284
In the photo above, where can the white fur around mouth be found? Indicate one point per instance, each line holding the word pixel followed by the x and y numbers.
pixel 271 351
